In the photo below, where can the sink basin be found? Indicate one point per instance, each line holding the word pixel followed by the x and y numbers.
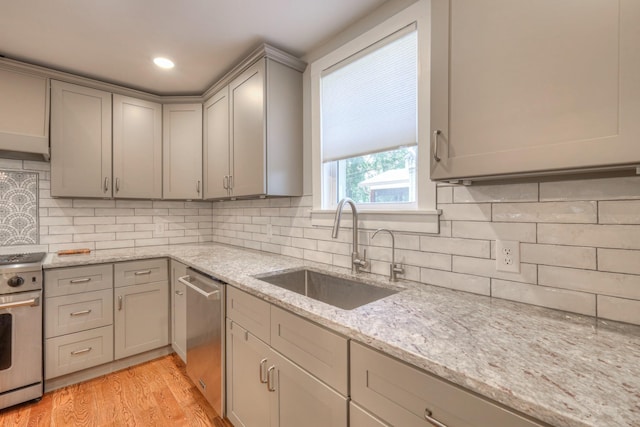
pixel 336 291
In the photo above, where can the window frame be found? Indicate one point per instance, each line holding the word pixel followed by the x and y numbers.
pixel 423 217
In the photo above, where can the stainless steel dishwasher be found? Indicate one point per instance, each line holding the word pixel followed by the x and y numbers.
pixel 205 335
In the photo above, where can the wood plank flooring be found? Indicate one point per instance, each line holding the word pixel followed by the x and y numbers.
pixel 156 393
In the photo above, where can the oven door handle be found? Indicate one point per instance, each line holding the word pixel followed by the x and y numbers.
pixel 33 302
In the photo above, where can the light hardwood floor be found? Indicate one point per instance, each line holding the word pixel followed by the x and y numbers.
pixel 156 393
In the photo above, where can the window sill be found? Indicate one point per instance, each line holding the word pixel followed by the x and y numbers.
pixel 406 222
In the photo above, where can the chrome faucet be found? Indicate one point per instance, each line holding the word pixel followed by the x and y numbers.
pixel 394 269
pixel 357 264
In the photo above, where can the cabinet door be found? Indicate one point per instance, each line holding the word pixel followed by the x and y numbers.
pixel 247 95
pixel 303 400
pixel 248 400
pixel 80 141
pixel 216 145
pixel 137 148
pixel 178 310
pixel 521 86
pixel 24 112
pixel 182 151
pixel 358 417
pixel 141 320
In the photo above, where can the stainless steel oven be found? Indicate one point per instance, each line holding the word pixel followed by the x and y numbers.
pixel 20 328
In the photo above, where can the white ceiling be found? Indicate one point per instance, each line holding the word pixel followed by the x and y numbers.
pixel 116 40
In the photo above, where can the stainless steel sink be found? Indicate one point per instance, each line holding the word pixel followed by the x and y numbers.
pixel 336 291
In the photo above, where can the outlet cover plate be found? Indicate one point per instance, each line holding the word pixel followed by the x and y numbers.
pixel 508 256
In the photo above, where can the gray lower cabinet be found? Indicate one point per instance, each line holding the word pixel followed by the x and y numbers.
pixel 78 313
pixel 178 310
pixel 141 314
pixel 402 395
pixel 264 383
pixel 359 417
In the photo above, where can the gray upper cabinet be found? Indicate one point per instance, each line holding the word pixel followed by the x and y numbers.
pixel 216 145
pixel 80 141
pixel 522 87
pixel 24 113
pixel 182 151
pixel 259 115
pixel 137 148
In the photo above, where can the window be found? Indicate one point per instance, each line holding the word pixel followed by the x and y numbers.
pixel 370 122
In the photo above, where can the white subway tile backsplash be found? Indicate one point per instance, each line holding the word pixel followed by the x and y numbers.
pixel 522 232
pixel 619 309
pixel 444 194
pixel 322 257
pixel 496 193
pixel 487 268
pixel 71 229
pixel 620 212
pixel 94 220
pixel 91 203
pixel 561 256
pixel 134 204
pixel 457 281
pixel 557 212
pixel 560 299
pixel 113 212
pixel 113 228
pixel 591 189
pixel 619 261
pixel 94 237
pixel 474 248
pixel 604 236
pixel 597 282
pixel 466 212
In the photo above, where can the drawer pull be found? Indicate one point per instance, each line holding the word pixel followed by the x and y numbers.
pixel 270 382
pixel 88 279
pixel 180 293
pixel 263 371
pixel 119 302
pixel 80 313
pixel 84 350
pixel 140 273
pixel 428 416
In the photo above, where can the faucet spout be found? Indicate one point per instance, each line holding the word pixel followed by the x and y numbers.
pixel 357 262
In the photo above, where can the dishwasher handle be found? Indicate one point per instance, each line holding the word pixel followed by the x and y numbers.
pixel 191 282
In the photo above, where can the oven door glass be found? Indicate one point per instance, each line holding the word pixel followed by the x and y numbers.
pixel 21 340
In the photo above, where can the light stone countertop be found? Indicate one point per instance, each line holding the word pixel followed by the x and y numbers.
pixel 560 368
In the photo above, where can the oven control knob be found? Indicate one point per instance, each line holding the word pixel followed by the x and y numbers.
pixel 15 281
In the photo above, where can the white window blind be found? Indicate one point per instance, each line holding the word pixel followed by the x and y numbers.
pixel 369 100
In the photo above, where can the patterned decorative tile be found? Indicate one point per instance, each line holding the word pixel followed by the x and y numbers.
pixel 18 208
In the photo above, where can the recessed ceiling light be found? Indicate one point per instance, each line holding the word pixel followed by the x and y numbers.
pixel 163 62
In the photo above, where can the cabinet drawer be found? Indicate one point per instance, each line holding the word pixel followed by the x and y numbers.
pixel 79 312
pixel 321 352
pixel 400 395
pixel 140 272
pixel 75 280
pixel 250 312
pixel 74 352
pixel 358 417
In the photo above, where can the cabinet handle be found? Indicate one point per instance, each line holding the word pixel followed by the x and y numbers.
pixel 80 313
pixel 180 293
pixel 140 273
pixel 106 184
pixel 117 184
pixel 198 187
pixel 436 133
pixel 225 182
pixel 428 416
pixel 120 303
pixel 88 279
pixel 84 350
pixel 263 372
pixel 270 382
pixel 230 185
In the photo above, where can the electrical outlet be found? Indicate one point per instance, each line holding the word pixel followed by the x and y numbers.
pixel 508 256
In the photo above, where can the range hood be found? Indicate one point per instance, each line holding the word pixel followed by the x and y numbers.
pixel 24 147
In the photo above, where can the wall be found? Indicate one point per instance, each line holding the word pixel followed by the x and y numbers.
pixel 108 224
pixel 580 239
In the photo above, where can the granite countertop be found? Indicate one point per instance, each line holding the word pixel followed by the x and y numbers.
pixel 560 368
